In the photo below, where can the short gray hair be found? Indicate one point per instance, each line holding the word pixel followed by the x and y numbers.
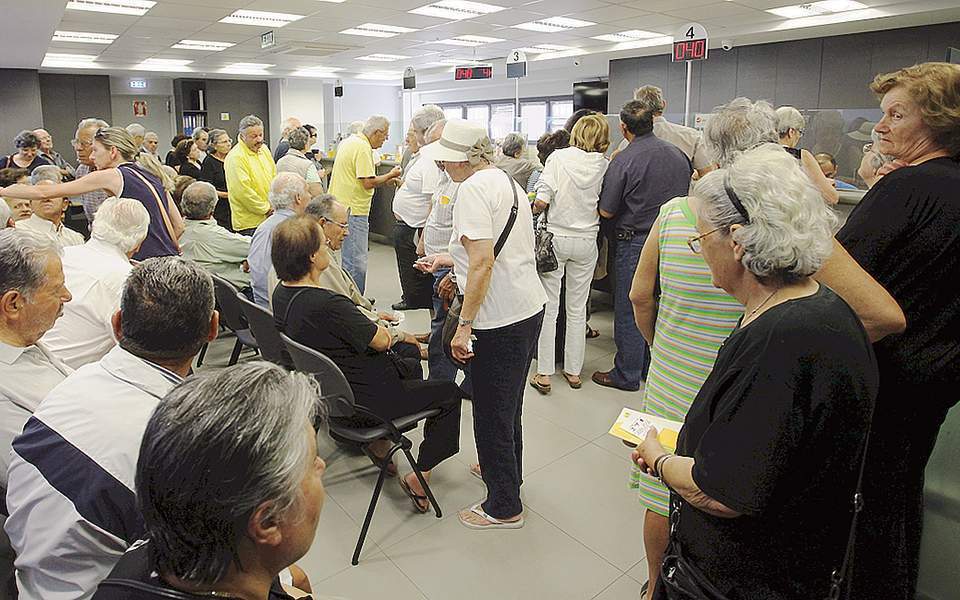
pixel 513 143
pixel 298 138
pixel 166 309
pixel 92 122
pixel 424 118
pixel 196 133
pixel 789 233
pixel 219 446
pixel 151 134
pixel 321 207
pixel 216 134
pixel 435 131
pixel 651 97
pixel 23 260
pixel 374 124
pixel 136 130
pixel 738 126
pixel 198 200
pixel 4 214
pixel 249 121
pixel 355 127
pixel 285 188
pixel 121 222
pixel 49 173
pixel 789 118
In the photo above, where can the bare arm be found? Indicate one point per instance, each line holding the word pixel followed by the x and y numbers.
pixel 642 292
pixel 480 255
pixel 812 169
pixel 108 180
pixel 381 341
pixel 369 183
pixel 176 220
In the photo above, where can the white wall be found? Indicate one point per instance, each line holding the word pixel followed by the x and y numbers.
pixel 359 101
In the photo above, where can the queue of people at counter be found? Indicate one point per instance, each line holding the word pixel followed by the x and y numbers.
pixel 807 339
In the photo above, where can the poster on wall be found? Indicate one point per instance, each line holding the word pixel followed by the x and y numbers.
pixel 139 108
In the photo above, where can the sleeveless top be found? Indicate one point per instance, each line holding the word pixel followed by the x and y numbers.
pixel 796 152
pixel 158 242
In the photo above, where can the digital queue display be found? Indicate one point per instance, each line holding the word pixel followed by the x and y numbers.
pixel 473 72
pixel 689 50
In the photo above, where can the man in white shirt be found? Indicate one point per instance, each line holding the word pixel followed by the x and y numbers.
pixel 411 205
pixel 71 499
pixel 47 217
pixel 95 273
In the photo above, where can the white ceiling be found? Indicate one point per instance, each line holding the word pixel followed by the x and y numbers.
pixel 169 21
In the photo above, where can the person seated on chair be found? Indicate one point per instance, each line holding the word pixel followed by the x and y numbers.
pixel 386 384
pixel 205 242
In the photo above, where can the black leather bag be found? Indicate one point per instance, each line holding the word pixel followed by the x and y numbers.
pixel 546 255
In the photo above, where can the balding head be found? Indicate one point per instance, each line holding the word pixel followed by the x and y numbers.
pixel 289 190
pixel 46 140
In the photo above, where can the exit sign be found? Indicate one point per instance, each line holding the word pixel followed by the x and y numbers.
pixel 138 84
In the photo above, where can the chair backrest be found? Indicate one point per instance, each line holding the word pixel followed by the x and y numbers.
pixel 334 388
pixel 231 315
pixel 265 331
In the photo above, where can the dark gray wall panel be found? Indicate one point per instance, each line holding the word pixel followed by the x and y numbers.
pixel 939 38
pixel 239 98
pixel 623 78
pixel 892 50
pixel 798 73
pixel 757 72
pixel 68 98
pixel 846 72
pixel 718 80
pixel 20 99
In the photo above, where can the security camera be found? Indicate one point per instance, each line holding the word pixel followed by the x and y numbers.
pixel 576 62
pixel 726 45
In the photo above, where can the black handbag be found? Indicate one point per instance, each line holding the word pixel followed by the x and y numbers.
pixel 546 255
pixel 453 314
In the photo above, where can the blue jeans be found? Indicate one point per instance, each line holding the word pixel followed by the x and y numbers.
pixel 441 369
pixel 633 356
pixel 354 250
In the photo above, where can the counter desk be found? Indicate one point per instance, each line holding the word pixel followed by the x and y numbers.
pixel 381 207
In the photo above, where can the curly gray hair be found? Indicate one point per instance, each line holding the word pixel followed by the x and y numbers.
pixel 298 138
pixel 789 118
pixel 738 126
pixel 513 144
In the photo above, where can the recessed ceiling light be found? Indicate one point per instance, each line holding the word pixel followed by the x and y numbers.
pixel 665 40
pixel 813 9
pixel 830 19
pixel 377 30
pixel 468 40
pixel 383 57
pixel 202 45
pixel 627 36
pixel 70 61
pixel 83 37
pixel 554 24
pixel 457 9
pixel 120 7
pixel 381 76
pixel 247 68
pixel 321 72
pixel 544 48
pixel 260 18
pixel 163 64
pixel 456 61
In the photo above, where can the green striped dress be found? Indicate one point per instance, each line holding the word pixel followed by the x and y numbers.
pixel 693 319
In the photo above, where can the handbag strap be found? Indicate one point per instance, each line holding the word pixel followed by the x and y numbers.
pixel 510 220
pixel 163 209
pixel 286 313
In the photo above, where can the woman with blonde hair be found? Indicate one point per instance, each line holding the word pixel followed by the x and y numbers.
pixel 123 171
pixel 568 193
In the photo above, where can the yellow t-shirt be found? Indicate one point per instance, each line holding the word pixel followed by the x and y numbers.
pixel 249 175
pixel 354 161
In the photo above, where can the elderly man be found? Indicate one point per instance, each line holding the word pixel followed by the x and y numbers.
pixel 411 205
pixel 47 217
pixel 513 161
pixel 201 136
pixel 288 197
pixel 249 169
pixel 283 146
pixel 83 145
pixel 205 242
pixel 71 498
pixel 352 183
pixel 208 522
pixel 640 179
pixel 94 273
pixel 137 132
pixel 46 151
pixel 151 141
pixel 295 160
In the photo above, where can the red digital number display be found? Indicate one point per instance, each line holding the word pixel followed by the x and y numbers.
pixel 465 73
pixel 689 50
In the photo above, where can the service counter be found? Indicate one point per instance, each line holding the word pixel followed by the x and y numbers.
pixel 381 208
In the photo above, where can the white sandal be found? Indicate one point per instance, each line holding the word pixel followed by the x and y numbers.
pixel 492 523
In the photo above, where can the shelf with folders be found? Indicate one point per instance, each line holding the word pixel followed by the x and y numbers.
pixel 193 119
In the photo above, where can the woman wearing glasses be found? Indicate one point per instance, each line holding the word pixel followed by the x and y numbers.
pixel 125 172
pixel 790 124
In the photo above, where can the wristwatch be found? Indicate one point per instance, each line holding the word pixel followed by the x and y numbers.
pixel 464 322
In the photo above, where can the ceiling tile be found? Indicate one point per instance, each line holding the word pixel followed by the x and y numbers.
pixel 228 4
pixel 607 14
pixel 720 9
pixel 199 13
pixel 294 7
pixel 510 17
pixel 555 8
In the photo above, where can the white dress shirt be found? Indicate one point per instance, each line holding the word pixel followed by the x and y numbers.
pixel 94 273
pixel 71 498
pixel 61 234
pixel 689 140
pixel 26 377
pixel 411 203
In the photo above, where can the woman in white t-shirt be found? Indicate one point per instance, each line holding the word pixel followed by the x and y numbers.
pixel 568 193
pixel 501 313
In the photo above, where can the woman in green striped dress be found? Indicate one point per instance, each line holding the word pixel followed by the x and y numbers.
pixel 679 311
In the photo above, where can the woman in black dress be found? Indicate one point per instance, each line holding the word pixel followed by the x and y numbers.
pixel 212 172
pixel 28 153
pixel 188 155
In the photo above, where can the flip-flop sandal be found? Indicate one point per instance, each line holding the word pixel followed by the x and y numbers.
pixel 540 387
pixel 492 523
pixel 475 471
pixel 574 384
pixel 416 499
pixel 378 462
pixel 643 590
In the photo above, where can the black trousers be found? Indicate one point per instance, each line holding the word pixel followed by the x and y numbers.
pixel 417 287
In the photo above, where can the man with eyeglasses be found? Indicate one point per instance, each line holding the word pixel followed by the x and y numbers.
pixel 83 144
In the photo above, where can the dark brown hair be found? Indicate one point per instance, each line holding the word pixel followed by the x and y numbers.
pixel 182 151
pixel 549 142
pixel 294 242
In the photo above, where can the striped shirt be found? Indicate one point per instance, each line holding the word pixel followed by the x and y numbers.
pixel 90 201
pixel 439 226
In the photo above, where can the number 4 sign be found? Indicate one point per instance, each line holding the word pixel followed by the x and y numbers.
pixel 692 44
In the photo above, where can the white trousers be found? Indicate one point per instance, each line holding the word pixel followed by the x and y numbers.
pixel 577 258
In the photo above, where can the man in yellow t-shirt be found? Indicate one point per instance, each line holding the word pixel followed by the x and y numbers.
pixel 352 183
pixel 249 170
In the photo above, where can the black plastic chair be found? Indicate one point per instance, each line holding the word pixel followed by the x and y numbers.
pixel 264 328
pixel 231 316
pixel 338 397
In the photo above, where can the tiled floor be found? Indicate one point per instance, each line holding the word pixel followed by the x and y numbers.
pixel 582 537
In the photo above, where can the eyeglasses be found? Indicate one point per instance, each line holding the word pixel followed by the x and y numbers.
pixel 337 223
pixel 100 134
pixel 81 143
pixel 694 242
pixel 868 147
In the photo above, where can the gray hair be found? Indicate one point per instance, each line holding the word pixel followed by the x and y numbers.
pixel 151 134
pixel 355 127
pixel 26 139
pixel 92 122
pixel 198 200
pixel 196 133
pixel 651 97
pixel 789 118
pixel 23 260
pixel 790 229
pixel 738 126
pixel 298 138
pixel 136 130
pixel 374 124
pixel 216 134
pixel 49 173
pixel 250 121
pixel 217 448
pixel 513 143
pixel 424 118
pixel 321 207
pixel 435 131
pixel 166 309
pixel 285 188
pixel 4 214
pixel 121 222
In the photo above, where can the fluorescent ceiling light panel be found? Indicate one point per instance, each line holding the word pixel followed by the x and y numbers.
pixel 382 57
pixel 71 61
pixel 545 48
pixel 377 30
pixel 627 36
pixel 831 19
pixel 83 37
pixel 554 24
pixel 202 45
pixel 457 9
pixel 319 72
pixel 260 18
pixel 247 68
pixel 380 76
pixel 163 64
pixel 665 40
pixel 798 11
pixel 457 61
pixel 468 40
pixel 121 7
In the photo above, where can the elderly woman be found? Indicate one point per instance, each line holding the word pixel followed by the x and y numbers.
pixel 790 126
pixel 768 458
pixel 28 153
pixel 513 161
pixel 548 143
pixel 188 157
pixel 332 324
pixel 906 233
pixel 295 161
pixel 205 242
pixel 491 250
pixel 212 171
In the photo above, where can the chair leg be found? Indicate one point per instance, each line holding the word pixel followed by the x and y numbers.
pixel 203 352
pixel 423 482
pixel 373 505
pixel 236 353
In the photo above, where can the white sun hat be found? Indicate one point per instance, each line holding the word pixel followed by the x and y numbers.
pixel 459 137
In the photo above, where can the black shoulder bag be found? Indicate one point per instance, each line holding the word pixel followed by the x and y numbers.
pixel 453 316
